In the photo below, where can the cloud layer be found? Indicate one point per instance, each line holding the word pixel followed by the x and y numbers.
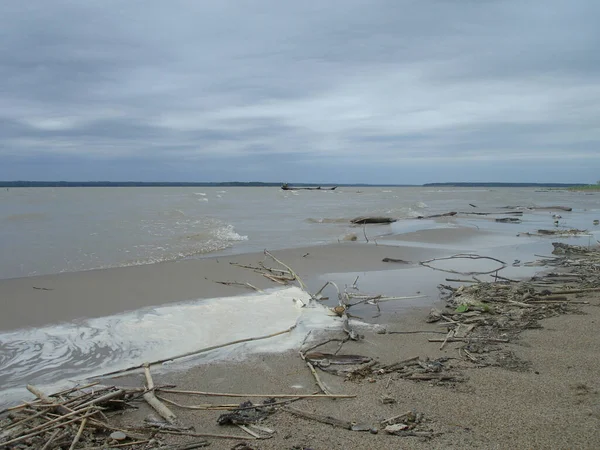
pixel 345 90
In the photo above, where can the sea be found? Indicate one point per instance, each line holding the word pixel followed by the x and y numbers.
pixel 54 230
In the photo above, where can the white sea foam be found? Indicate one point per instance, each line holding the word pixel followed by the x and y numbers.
pixel 51 355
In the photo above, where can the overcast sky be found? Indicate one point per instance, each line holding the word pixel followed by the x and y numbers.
pixel 368 91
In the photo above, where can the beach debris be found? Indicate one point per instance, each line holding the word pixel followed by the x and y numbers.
pixel 340 423
pixel 372 220
pixel 435 216
pixel 154 402
pixel 70 418
pixel 326 359
pixel 508 220
pixel 541 208
pixel 596 222
pixel 395 260
pixel 411 423
pixel 350 237
pixel 247 413
pixel 485 314
pixel 428 262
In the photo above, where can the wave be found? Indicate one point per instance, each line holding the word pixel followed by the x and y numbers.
pixel 327 220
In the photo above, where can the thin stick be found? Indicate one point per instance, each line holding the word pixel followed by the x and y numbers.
pixel 217 394
pixel 323 419
pixel 250 432
pixel 463 256
pixel 212 435
pixel 58 425
pixel 151 399
pixel 415 332
pixel 197 352
pixel 448 336
pixel 456 339
pixel 78 435
pixel 49 441
pixel 202 407
pixel 102 399
pixel 126 444
pixel 235 283
pixel 58 419
pixel 318 379
pixel 302 285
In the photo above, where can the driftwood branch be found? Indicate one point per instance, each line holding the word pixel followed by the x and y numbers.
pixel 220 394
pixel 319 418
pixel 151 399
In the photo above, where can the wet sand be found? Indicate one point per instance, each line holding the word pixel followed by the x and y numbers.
pixel 41 300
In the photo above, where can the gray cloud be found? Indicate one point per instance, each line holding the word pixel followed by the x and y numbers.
pixel 364 91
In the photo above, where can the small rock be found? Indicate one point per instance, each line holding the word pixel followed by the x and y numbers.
pixel 380 329
pixel 361 427
pixel 118 436
pixel 434 315
pixel 386 400
pixel 395 428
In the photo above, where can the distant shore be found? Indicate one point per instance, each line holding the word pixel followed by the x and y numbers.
pixel 40 184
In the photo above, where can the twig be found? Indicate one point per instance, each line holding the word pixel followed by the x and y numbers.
pixel 197 352
pixel 78 435
pixel 448 336
pixel 250 432
pixel 126 444
pixel 49 441
pixel 315 375
pixel 58 425
pixel 463 256
pixel 235 283
pixel 319 418
pixel 415 332
pixel 300 282
pixel 395 418
pixel 202 407
pixel 212 435
pixel 217 394
pixel 457 339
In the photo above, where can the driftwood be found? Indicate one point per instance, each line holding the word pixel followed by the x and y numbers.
pixel 448 214
pixel 394 260
pixel 197 352
pixel 509 220
pixel 222 394
pixel 151 399
pixel 319 418
pixel 428 262
pixel 372 219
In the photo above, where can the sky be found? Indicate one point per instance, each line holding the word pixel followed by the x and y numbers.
pixel 341 91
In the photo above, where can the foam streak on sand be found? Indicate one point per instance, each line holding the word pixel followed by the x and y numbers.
pixel 49 355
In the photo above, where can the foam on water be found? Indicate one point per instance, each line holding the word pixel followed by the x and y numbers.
pixel 51 355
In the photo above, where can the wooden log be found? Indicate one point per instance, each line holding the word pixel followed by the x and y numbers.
pixel 372 219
